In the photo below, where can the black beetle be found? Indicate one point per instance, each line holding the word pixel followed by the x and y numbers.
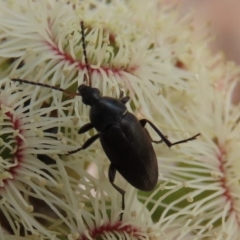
pixel 123 137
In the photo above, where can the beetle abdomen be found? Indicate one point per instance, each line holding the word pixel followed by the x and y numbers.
pixel 130 150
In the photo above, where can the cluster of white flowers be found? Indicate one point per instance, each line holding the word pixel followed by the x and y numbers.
pixel 145 49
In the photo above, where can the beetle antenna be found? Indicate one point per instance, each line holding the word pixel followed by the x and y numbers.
pixel 85 54
pixel 46 86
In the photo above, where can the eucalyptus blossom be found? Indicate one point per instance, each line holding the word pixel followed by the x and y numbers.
pixel 146 50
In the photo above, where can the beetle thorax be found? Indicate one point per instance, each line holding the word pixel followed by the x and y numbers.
pixel 106 112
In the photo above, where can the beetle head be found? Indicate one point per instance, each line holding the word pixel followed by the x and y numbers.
pixel 89 95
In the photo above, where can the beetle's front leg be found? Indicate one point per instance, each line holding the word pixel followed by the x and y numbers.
pixel 86 144
pixel 111 176
pixel 123 99
pixel 164 138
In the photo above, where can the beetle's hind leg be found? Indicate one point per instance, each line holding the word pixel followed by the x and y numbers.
pixel 154 141
pixel 164 138
pixel 111 177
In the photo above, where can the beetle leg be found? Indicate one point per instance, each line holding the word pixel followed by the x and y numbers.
pixel 86 144
pixel 154 141
pixel 164 138
pixel 143 123
pixel 85 128
pixel 125 99
pixel 111 177
pixel 121 94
